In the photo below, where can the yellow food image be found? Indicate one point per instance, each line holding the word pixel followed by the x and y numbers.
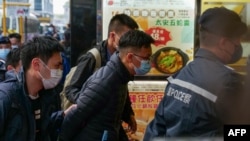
pixel 169 61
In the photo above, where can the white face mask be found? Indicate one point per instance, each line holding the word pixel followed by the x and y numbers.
pixel 55 77
pixel 14 46
pixel 50 29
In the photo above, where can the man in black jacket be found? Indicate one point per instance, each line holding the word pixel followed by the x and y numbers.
pixel 103 96
pixel 119 24
pixel 29 105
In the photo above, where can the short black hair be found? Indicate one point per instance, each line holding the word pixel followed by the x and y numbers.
pixel 223 22
pixel 15 35
pixel 13 57
pixel 135 39
pixel 119 20
pixel 43 47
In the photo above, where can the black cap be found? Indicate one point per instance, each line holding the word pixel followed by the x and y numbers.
pixel 222 21
pixel 4 40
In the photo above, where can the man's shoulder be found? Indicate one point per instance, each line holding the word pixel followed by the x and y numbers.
pixel 8 90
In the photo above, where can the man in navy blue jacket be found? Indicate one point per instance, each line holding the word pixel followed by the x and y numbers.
pixel 103 96
pixel 205 94
pixel 29 106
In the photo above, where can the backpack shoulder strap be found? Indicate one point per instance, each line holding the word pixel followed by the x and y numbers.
pixel 97 56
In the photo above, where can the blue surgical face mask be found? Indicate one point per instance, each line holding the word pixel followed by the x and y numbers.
pixel 144 67
pixel 4 53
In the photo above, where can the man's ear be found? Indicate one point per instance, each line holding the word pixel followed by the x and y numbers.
pixel 129 57
pixel 35 63
pixel 10 67
pixel 222 42
pixel 112 36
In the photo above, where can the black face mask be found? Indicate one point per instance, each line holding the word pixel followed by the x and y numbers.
pixel 237 54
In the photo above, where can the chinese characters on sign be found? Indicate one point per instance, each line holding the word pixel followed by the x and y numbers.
pixel 170 22
pixel 145 100
pixel 145 97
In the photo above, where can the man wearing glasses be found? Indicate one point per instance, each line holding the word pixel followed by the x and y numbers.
pixel 103 96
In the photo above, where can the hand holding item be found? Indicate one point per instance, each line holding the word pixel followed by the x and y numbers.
pixel 132 125
pixel 70 108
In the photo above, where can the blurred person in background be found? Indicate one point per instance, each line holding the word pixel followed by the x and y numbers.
pixel 206 94
pixel 12 63
pixel 66 42
pixel 5 47
pixel 4 50
pixel 52 32
pixel 15 40
pixel 103 96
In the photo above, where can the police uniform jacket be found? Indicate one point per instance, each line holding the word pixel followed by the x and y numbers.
pixel 198 100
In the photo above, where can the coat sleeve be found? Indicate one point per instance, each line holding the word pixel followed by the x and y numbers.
pixel 90 100
pixel 85 68
pixel 157 127
pixel 56 120
pixel 128 110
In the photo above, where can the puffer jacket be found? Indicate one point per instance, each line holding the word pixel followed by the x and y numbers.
pixel 198 100
pixel 85 68
pixel 100 104
pixel 17 122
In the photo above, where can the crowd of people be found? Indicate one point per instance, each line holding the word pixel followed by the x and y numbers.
pixel 198 101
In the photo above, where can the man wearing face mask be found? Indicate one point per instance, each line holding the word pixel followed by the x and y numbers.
pixel 5 47
pixel 103 96
pixel 12 64
pixel 206 93
pixel 118 25
pixel 29 106
pixel 15 40
pixel 4 50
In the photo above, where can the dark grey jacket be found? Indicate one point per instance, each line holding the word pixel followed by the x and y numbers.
pixel 198 101
pixel 100 104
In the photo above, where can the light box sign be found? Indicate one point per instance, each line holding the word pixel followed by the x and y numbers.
pixel 170 22
pixel 145 97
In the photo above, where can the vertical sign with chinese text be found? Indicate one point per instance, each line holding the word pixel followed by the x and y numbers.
pixel 145 97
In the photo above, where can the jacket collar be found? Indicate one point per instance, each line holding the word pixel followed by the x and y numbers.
pixel 120 68
pixel 203 53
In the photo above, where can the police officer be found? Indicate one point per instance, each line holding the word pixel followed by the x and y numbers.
pixel 206 93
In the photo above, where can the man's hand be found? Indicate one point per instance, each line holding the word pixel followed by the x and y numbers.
pixel 132 125
pixel 69 109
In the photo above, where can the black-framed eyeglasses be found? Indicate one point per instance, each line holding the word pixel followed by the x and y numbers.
pixel 143 58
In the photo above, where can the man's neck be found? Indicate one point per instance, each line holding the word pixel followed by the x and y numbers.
pixel 32 83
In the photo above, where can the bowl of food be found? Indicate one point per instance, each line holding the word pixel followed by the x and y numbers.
pixel 169 60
